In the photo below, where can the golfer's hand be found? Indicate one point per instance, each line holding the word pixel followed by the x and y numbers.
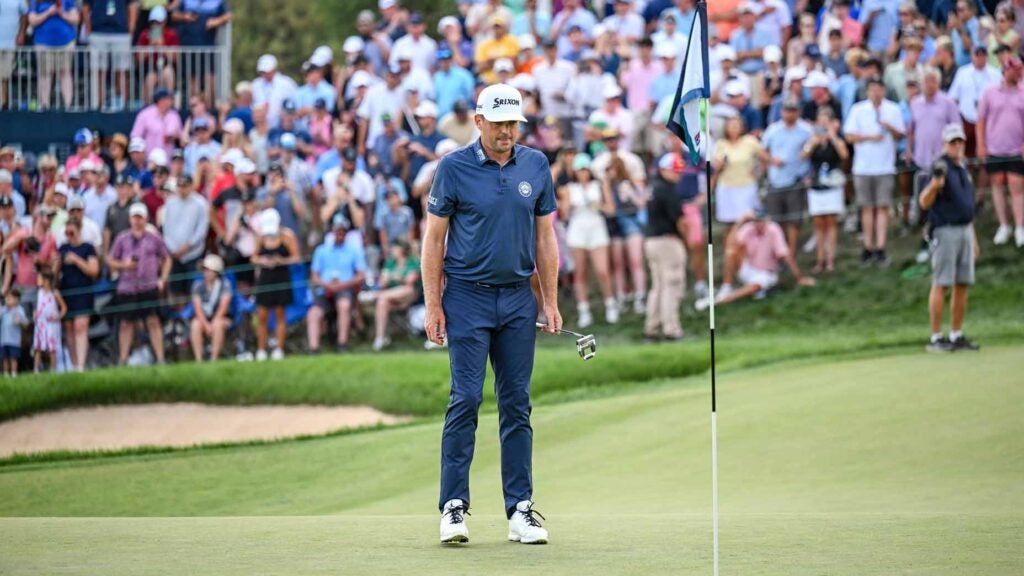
pixel 435 325
pixel 554 319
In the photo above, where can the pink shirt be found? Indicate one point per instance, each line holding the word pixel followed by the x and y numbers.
pixel 637 79
pixel 763 251
pixel 158 131
pixel 1003 111
pixel 76 160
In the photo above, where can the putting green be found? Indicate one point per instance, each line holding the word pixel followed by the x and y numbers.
pixel 904 465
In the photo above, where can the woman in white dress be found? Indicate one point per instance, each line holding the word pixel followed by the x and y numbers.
pixel 585 202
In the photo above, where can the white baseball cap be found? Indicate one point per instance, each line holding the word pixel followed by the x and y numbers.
pixel 232 156
pixel 361 78
pixel 322 56
pixel 426 109
pixel 266 63
pixel 62 188
pixel 234 126
pixel 158 14
pixel 270 222
pixel 500 103
pixel 158 157
pixel 445 22
pixel 138 209
pixel 445 146
pixel 611 91
pixel 245 166
pixel 772 53
pixel 816 79
pixel 353 44
pixel 734 88
pixel 953 132
pixel 665 50
pixel 526 41
pixel 504 65
pixel 523 82
pixel 137 145
pixel 726 52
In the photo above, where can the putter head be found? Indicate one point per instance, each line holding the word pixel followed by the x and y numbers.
pixel 587 347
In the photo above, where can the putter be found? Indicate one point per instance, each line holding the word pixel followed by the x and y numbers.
pixel 586 346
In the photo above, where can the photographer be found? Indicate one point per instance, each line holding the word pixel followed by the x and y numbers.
pixel 949 198
pixel 36 249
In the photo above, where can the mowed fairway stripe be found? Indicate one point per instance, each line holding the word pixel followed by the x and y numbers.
pixel 903 465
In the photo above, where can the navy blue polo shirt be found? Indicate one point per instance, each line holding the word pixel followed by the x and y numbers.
pixel 954 203
pixel 492 212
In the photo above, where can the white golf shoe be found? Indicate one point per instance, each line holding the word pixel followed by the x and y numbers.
pixel 1002 235
pixel 524 527
pixel 1018 236
pixel 585 318
pixel 453 523
pixel 611 311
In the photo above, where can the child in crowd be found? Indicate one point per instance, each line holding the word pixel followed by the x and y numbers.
pixel 12 318
pixel 50 308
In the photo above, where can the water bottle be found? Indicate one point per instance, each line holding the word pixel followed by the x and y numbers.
pixel 823 173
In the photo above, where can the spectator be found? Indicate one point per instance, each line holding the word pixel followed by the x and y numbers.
pixel 553 76
pixel 873 127
pixel 748 40
pixel 949 199
pixel 8 223
pixel 13 25
pixel 734 164
pixel 752 254
pixel 242 107
pixel 34 249
pixel 422 47
pixel 89 232
pixel 400 287
pixel 239 243
pixel 54 28
pixel 452 82
pixel 12 320
pixel 908 67
pixel 878 18
pixel 827 152
pixel 79 269
pixel 786 198
pixel 159 124
pixel 337 272
pixel 271 88
pixel 420 148
pixel 320 127
pixel 50 308
pixel 155 196
pixel 7 191
pixel 83 142
pixel 482 15
pixel 834 57
pixel 613 114
pixel 315 89
pixel 202 145
pixel 625 23
pixel 638 78
pixel 161 65
pixel 211 302
pixel 1000 135
pixel 376 45
pixel 393 19
pixel 185 226
pixel 805 37
pixel 969 84
pixel 118 149
pixel 1002 35
pixel 277 250
pixel 198 23
pixel 348 175
pixel 458 124
pixel 666 252
pixel 500 45
pixel 382 98
pixel 143 264
pixel 281 194
pixel 584 203
pixel 930 112
pixel 137 165
pixel 228 203
pixel 626 189
pixel 110 32
pixel 425 177
pixel 396 223
pixel 821 97
pixel 533 20
pixel 118 216
pixel 56 202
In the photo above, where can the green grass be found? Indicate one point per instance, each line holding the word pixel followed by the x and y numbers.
pixel 908 464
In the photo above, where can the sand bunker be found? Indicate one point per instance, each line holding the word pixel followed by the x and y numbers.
pixel 179 424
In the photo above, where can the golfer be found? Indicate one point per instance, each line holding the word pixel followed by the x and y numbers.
pixel 494 201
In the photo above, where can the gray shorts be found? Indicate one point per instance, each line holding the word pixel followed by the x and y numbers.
pixel 874 191
pixel 115 48
pixel 953 255
pixel 786 205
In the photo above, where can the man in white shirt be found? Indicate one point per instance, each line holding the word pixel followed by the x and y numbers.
pixel 969 83
pixel 874 126
pixel 625 22
pixel 421 48
pixel 99 198
pixel 271 88
pixel 382 97
pixel 553 76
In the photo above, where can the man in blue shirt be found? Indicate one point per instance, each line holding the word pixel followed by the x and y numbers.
pixel 336 273
pixel 494 202
pixel 110 25
pixel 749 41
pixel 451 82
pixel 315 88
pixel 784 142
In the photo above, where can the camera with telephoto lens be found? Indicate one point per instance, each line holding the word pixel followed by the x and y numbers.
pixel 32 244
pixel 939 169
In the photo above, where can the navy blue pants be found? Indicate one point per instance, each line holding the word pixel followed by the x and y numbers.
pixel 498 322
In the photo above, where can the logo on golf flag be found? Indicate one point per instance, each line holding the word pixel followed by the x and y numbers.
pixel 525 189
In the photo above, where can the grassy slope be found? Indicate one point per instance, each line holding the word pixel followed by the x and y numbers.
pixel 908 464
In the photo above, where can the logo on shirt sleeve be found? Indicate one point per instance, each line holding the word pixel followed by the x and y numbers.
pixel 525 189
pixel 432 200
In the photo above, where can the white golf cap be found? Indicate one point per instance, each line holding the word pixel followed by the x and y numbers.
pixel 62 188
pixel 772 53
pixel 794 74
pixel 234 126
pixel 526 41
pixel 426 109
pixel 158 14
pixel 726 52
pixel 158 157
pixel 361 78
pixel 816 79
pixel 138 209
pixel 752 7
pixel 500 103
pixel 322 56
pixel 953 132
pixel 213 263
pixel 270 222
pixel 504 65
pixel 245 166
pixel 403 52
pixel 266 63
pixel 86 165
pixel 353 44
pixel 233 156
pixel 734 88
pixel 523 82
pixel 445 146
pixel 137 145
pixel 445 22
pixel 385 4
pixel 665 50
pixel 611 91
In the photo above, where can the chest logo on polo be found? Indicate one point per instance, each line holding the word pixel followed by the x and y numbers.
pixel 525 189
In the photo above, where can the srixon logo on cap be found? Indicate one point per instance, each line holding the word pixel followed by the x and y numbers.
pixel 504 102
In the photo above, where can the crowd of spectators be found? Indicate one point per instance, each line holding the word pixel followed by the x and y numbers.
pixel 301 201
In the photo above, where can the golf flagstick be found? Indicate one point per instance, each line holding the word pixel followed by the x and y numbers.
pixel 688 120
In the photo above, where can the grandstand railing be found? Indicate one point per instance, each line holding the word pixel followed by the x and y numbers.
pixel 183 70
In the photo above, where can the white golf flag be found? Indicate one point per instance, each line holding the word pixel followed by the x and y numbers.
pixel 684 117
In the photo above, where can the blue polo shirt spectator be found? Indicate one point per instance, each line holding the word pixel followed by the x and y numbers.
pixel 451 82
pixel 746 40
pixel 315 88
pixel 785 140
pixel 883 25
pixel 572 14
pixel 339 262
pixel 196 32
pixel 54 31
pixel 470 189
